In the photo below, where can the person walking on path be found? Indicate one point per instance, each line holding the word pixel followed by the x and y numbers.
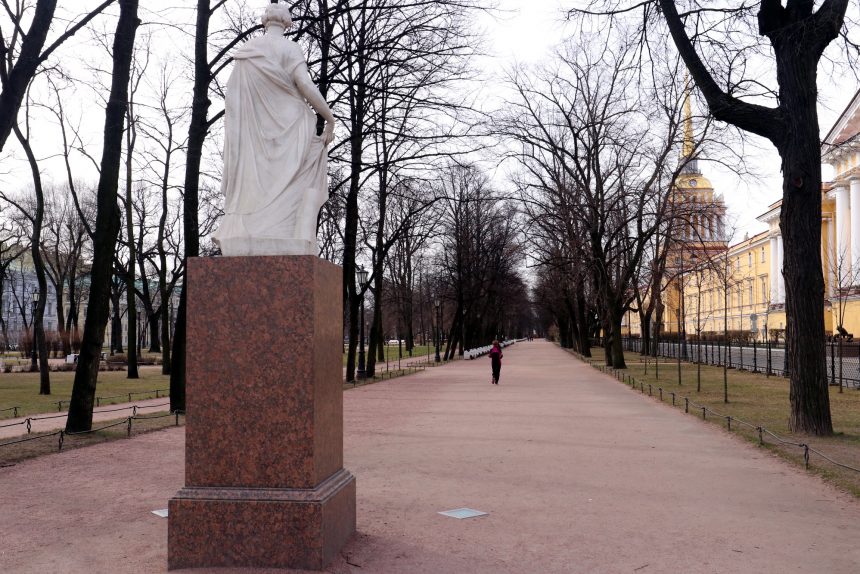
pixel 496 361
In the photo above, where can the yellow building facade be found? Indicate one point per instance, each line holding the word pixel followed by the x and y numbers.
pixel 740 287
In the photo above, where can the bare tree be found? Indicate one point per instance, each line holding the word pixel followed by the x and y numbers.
pixel 107 223
pixel 62 247
pixel 584 144
pixel 796 38
pixel 23 52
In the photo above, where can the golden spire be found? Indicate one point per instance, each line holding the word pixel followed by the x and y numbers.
pixel 688 120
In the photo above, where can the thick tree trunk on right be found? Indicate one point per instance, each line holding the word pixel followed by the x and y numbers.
pixel 800 223
pixel 798 34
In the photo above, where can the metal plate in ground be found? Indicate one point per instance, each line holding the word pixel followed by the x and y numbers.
pixel 461 513
pixel 162 513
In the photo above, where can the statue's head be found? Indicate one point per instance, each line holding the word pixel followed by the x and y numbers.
pixel 277 14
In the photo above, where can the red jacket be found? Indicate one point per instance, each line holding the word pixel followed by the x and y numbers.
pixel 496 354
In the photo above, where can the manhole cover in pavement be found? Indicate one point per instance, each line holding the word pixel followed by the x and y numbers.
pixel 461 513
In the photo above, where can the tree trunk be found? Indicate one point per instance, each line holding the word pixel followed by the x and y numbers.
pixel 164 324
pixel 374 340
pixel 116 321
pixel 38 342
pixel 61 321
pixel 107 225
pixel 29 57
pixel 197 130
pixel 617 349
pixel 582 319
pixel 606 328
pixel 130 299
pixel 800 223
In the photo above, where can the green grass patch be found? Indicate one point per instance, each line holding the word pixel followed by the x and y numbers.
pixel 761 401
pixel 392 353
pixel 22 389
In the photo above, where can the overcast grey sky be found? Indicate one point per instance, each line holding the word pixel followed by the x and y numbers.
pixel 522 31
pixel 528 30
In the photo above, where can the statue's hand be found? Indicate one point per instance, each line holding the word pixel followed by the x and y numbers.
pixel 328 133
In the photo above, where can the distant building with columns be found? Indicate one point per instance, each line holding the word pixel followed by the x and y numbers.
pixel 741 288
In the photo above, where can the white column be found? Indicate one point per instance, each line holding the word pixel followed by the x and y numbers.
pixel 843 229
pixel 831 256
pixel 780 279
pixel 774 270
pixel 855 222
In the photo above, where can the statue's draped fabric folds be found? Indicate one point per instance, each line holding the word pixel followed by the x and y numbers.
pixel 274 179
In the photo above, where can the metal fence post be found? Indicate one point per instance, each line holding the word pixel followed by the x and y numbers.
pixel 755 356
pixel 767 355
pixel 832 365
pixel 729 352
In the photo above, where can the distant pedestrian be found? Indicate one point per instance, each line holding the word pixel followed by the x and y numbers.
pixel 496 361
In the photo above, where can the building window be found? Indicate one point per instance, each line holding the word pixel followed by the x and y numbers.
pixel 764 293
pixel 749 259
pixel 762 255
pixel 752 301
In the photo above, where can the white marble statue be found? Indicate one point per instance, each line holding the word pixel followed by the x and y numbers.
pixel 274 179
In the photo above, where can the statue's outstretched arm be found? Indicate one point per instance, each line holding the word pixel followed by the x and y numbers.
pixel 310 92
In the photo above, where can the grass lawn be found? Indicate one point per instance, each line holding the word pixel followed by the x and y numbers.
pixel 22 389
pixel 761 401
pixel 392 352
pixel 118 430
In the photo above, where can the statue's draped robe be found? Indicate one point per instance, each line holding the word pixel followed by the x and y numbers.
pixel 274 179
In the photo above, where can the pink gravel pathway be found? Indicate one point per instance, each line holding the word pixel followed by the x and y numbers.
pixel 578 474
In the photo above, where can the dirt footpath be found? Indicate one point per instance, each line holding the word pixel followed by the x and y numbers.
pixel 577 473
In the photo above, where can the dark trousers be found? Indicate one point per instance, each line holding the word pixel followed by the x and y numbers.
pixel 497 369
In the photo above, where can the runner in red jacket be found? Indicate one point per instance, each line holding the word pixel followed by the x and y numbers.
pixel 496 361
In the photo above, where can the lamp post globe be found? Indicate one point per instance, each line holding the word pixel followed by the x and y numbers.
pixel 361 275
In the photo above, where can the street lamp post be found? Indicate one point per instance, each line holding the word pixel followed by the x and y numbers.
pixel 33 366
pixel 139 335
pixel 438 305
pixel 362 281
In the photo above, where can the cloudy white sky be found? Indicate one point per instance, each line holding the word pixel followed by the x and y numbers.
pixel 528 30
pixel 522 31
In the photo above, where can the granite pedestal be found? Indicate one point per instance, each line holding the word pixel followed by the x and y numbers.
pixel 264 479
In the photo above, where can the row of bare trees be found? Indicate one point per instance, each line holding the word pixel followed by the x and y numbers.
pixel 598 150
pixel 144 193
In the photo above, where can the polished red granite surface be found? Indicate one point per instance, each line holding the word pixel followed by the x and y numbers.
pixel 264 372
pixel 264 437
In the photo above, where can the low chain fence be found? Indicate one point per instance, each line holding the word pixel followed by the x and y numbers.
pixel 843 359
pixel 63 404
pixel 28 422
pixel 14 410
pixel 60 435
pixel 382 374
pixel 689 404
